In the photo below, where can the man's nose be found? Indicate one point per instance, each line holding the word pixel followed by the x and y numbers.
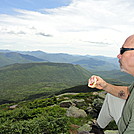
pixel 119 56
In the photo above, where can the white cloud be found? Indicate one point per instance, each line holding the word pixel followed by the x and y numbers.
pixel 83 27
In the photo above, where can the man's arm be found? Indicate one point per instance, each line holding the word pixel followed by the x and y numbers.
pixel 118 91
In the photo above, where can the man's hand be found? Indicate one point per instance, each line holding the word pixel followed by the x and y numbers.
pixel 98 82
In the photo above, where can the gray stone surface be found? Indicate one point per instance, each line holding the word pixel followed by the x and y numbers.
pixel 111 132
pixel 73 111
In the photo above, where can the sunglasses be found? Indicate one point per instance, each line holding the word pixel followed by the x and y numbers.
pixel 122 50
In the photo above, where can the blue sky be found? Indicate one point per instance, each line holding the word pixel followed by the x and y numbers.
pixel 7 6
pixel 93 27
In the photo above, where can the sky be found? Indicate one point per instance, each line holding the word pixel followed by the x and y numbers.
pixel 82 27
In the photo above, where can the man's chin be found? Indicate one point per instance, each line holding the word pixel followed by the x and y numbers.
pixel 123 70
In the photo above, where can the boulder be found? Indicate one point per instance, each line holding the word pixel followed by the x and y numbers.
pixel 85 127
pixel 73 111
pixel 66 104
pixel 79 102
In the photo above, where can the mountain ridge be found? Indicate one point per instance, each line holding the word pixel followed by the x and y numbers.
pixel 19 81
pixel 103 63
pixel 14 57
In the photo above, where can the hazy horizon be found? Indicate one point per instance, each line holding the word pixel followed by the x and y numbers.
pixel 79 27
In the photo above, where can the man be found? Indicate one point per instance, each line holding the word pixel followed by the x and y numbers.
pixel 119 102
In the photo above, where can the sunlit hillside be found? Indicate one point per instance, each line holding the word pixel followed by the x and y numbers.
pixel 32 80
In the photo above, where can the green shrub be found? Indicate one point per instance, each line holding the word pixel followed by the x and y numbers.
pixel 49 120
pixel 46 125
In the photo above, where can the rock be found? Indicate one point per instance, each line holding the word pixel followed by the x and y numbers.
pixel 73 111
pixel 66 104
pixel 95 93
pixel 84 128
pixel 13 106
pixel 89 109
pixel 74 102
pixel 111 132
pixel 79 102
pixel 83 132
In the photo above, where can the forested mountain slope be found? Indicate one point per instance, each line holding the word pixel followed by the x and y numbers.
pixel 32 80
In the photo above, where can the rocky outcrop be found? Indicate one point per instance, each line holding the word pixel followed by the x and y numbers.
pixel 66 103
pixel 74 102
pixel 73 111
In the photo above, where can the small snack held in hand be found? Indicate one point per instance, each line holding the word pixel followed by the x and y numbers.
pixel 92 83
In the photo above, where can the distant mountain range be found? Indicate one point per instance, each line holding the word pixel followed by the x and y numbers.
pixel 107 67
pixel 91 63
pixel 8 58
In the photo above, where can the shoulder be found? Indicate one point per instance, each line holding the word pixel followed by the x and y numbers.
pixel 131 87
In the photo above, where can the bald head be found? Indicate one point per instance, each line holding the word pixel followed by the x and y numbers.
pixel 126 56
pixel 129 42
